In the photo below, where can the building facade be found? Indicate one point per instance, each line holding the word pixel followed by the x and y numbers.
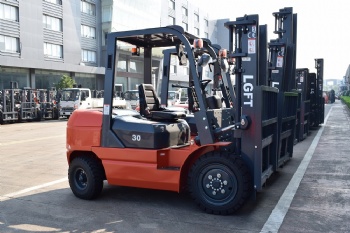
pixel 42 40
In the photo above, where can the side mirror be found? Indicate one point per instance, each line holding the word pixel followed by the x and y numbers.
pixel 224 65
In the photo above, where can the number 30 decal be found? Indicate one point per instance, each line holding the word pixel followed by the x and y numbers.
pixel 135 137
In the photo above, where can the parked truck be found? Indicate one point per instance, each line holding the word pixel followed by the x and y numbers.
pixel 81 98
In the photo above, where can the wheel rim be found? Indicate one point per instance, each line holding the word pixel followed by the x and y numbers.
pixel 80 179
pixel 218 184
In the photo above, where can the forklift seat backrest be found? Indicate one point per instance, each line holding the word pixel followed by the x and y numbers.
pixel 148 98
pixel 150 105
pixel 214 102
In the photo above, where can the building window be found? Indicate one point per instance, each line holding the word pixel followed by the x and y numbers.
pixel 52 23
pixel 88 8
pixel 186 70
pixel 172 69
pixel 53 50
pixel 9 44
pixel 206 35
pixel 89 32
pixel 196 17
pixel 172 4
pixel 173 62
pixel 107 14
pixel 8 12
pixel 121 65
pixel 196 31
pixel 171 20
pixel 207 73
pixel 104 37
pixel 184 11
pixel 136 66
pixel 206 23
pixel 58 2
pixel 88 56
pixel 185 26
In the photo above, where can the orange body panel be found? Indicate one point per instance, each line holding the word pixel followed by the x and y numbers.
pixel 84 130
pixel 144 168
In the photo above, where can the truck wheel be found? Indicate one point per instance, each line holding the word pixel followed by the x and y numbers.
pixel 38 115
pixel 56 114
pixel 219 183
pixel 85 175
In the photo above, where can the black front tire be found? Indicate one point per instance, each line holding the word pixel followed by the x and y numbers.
pixel 219 183
pixel 86 175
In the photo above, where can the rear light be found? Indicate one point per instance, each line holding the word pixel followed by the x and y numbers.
pixel 198 43
pixel 223 53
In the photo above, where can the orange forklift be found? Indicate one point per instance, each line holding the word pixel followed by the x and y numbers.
pixel 155 149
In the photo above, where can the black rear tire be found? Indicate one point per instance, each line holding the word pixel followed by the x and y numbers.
pixel 86 175
pixel 219 183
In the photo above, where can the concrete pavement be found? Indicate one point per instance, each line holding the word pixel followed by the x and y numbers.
pixel 310 194
pixel 322 200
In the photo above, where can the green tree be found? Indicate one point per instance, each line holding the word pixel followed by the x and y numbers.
pixel 65 82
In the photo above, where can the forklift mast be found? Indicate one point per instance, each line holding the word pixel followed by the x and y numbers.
pixel 256 142
pixel 221 77
pixel 279 71
pixel 302 83
pixel 286 28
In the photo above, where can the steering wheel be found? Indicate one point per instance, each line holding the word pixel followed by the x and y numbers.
pixel 204 83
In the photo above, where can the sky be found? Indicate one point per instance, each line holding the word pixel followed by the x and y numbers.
pixel 323 28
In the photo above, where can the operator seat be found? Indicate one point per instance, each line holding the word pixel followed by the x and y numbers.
pixel 150 106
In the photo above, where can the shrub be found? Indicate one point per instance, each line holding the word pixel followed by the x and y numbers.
pixel 65 82
pixel 346 100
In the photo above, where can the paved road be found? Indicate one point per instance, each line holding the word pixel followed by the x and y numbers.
pixel 35 195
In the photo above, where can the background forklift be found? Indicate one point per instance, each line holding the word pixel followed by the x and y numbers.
pixel 316 98
pixel 281 69
pixel 48 104
pixel 30 105
pixel 10 104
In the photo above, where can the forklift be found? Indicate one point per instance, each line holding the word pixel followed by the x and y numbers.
pixel 30 105
pixel 48 105
pixel 10 104
pixel 310 85
pixel 302 84
pixel 233 153
pixel 281 68
pixel 157 151
pixel 316 95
